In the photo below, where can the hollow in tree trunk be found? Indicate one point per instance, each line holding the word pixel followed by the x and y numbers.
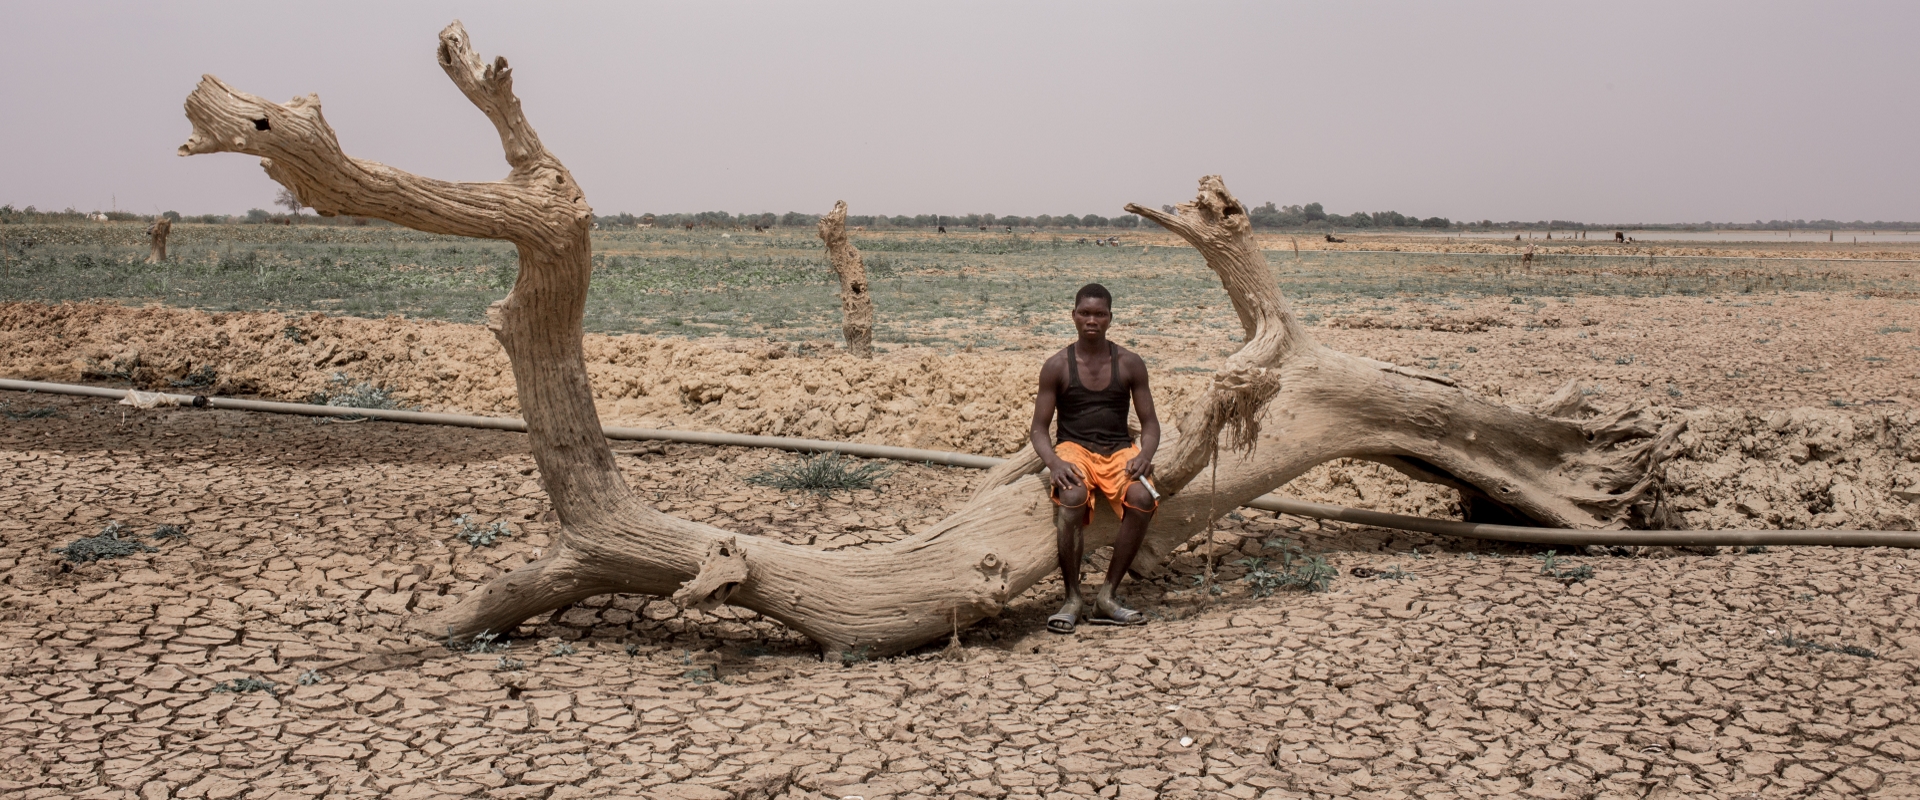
pixel 157 237
pixel 856 302
pixel 1283 404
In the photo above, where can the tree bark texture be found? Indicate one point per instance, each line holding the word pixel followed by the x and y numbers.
pixel 1282 405
pixel 856 302
pixel 157 237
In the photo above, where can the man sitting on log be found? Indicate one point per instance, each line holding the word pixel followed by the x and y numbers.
pixel 1096 454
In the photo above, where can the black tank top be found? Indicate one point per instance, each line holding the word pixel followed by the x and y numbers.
pixel 1096 420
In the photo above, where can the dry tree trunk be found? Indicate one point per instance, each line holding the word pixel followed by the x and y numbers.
pixel 1285 403
pixel 856 302
pixel 157 235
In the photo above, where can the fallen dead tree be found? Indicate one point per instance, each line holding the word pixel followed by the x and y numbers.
pixel 1283 402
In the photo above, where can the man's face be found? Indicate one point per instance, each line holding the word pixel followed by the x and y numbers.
pixel 1092 316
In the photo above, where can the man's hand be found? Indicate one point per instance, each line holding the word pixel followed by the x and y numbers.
pixel 1140 466
pixel 1065 476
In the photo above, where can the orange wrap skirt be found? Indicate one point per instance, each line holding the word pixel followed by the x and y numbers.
pixel 1105 476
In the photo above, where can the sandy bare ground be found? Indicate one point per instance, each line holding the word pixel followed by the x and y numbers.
pixel 1470 674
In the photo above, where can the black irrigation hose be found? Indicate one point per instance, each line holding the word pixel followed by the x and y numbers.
pixel 1269 502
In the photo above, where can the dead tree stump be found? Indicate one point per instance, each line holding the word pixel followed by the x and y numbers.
pixel 1283 402
pixel 856 302
pixel 157 237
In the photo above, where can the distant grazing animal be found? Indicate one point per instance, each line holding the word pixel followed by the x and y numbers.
pixel 1526 259
pixel 943 229
pixel 1620 236
pixel 1335 239
pixel 687 225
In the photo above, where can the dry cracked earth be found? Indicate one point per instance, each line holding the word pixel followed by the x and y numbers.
pixel 263 653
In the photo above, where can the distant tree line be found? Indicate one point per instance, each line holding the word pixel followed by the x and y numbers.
pixel 795 219
pixel 1311 216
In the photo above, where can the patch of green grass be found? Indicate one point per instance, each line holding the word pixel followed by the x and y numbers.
pixel 562 649
pixel 103 546
pixel 672 281
pixel 169 532
pixel 311 677
pixel 42 412
pixel 506 664
pixel 1896 329
pixel 823 473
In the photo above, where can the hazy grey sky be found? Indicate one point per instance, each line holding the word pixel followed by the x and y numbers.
pixel 1598 112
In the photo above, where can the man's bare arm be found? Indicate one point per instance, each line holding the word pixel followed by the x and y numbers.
pixel 1045 401
pixel 1142 464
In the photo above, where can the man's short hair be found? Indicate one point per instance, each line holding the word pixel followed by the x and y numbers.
pixel 1093 290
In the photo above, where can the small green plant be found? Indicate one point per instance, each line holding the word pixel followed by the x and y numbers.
pixel 1756 549
pixel 169 532
pixel 482 642
pixel 478 536
pixel 293 333
pixel 105 545
pixel 245 685
pixel 1297 570
pixel 856 655
pixel 1674 391
pixel 1896 329
pixel 562 649
pixel 311 677
pixel 200 378
pixel 506 664
pixel 821 474
pixel 1626 359
pixel 1550 567
pixel 1574 575
pixel 1811 646
pixel 632 649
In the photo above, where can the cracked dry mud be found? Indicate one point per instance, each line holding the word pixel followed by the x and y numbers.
pixel 307 543
pixel 1457 670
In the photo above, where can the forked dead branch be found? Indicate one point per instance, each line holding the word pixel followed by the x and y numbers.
pixel 1284 402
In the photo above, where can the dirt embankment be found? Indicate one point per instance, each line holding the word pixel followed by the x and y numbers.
pixel 971 402
pixel 1741 468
